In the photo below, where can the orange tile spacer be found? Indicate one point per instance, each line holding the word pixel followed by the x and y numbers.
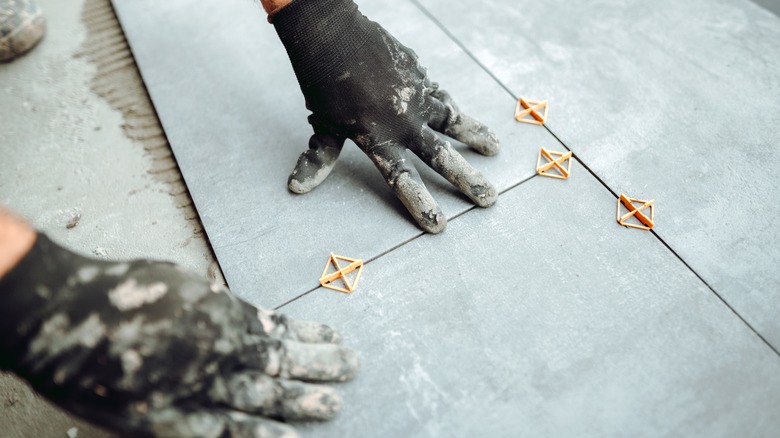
pixel 636 212
pixel 529 108
pixel 327 278
pixel 557 161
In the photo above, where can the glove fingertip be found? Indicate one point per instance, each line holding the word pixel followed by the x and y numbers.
pixel 351 363
pixel 433 225
pixel 300 187
pixel 310 171
pixel 491 144
pixel 485 196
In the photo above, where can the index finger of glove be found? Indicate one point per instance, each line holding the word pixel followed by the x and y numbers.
pixel 301 361
pixel 318 362
pixel 280 326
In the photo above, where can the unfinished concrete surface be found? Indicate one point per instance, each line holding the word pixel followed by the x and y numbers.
pixel 81 144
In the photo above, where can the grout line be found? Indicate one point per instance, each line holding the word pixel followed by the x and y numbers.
pixel 679 257
pixel 441 26
pixel 410 240
pixel 291 300
pixel 723 300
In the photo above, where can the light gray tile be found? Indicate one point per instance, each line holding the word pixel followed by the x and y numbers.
pixel 544 317
pixel 676 101
pixel 233 112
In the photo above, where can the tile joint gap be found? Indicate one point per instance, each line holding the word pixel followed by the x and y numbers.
pixel 452 37
pixel 382 254
pixel 674 253
pixel 404 243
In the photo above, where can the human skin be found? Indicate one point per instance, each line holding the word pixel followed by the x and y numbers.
pixel 16 239
pixel 272 6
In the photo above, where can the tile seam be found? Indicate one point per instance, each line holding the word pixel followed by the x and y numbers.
pixel 450 35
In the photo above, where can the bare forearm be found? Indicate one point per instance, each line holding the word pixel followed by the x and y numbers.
pixel 273 6
pixel 16 239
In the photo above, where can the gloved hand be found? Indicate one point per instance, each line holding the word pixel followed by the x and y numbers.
pixel 361 83
pixel 146 349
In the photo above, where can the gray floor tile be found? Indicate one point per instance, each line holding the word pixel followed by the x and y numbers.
pixel 544 317
pixel 538 317
pixel 234 115
pixel 676 101
pixel 771 5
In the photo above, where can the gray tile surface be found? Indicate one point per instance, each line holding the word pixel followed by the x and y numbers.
pixel 540 316
pixel 543 317
pixel 771 5
pixel 676 101
pixel 221 65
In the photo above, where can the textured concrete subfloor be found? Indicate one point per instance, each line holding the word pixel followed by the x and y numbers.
pixel 79 138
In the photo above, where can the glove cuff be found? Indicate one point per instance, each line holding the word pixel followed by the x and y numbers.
pixel 26 292
pixel 313 31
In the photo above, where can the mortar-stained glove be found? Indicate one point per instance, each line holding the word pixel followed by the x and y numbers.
pixel 361 84
pixel 147 349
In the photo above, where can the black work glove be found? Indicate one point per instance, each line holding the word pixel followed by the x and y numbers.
pixel 147 349
pixel 361 83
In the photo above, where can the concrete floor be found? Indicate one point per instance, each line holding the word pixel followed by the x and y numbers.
pixel 80 138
